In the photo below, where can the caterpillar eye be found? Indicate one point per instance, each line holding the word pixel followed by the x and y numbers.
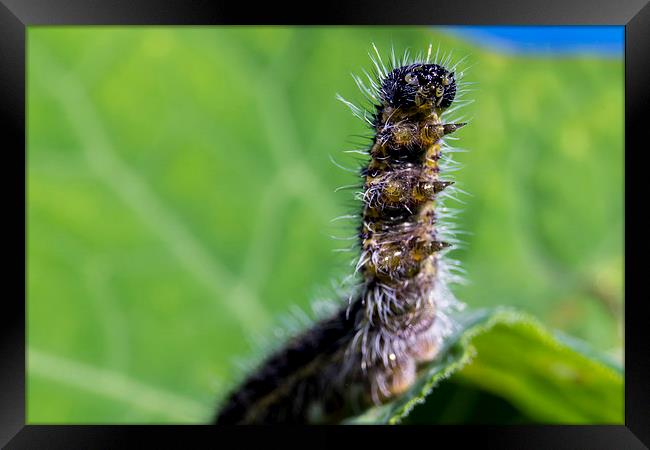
pixel 410 78
pixel 439 91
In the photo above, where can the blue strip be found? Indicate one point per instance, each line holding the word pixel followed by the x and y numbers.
pixel 608 41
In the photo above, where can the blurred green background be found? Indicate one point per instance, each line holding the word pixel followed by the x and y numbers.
pixel 180 196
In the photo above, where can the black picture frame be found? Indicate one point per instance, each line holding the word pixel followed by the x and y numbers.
pixel 16 15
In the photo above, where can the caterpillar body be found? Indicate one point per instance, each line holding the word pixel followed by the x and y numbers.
pixel 370 351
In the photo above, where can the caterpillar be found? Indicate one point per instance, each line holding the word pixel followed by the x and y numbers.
pixel 370 350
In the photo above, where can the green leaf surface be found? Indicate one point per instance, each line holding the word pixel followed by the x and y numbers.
pixel 511 355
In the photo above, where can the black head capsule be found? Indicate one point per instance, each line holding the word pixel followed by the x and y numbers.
pixel 419 84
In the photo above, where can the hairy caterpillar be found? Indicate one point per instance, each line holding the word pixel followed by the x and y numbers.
pixel 369 351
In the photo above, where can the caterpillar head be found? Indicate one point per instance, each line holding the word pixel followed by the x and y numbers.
pixel 418 84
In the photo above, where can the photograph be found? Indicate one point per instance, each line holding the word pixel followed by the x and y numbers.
pixel 325 225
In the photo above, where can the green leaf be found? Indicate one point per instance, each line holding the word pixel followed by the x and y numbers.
pixel 548 377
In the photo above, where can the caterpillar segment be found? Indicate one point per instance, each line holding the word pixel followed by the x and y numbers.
pixel 401 246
